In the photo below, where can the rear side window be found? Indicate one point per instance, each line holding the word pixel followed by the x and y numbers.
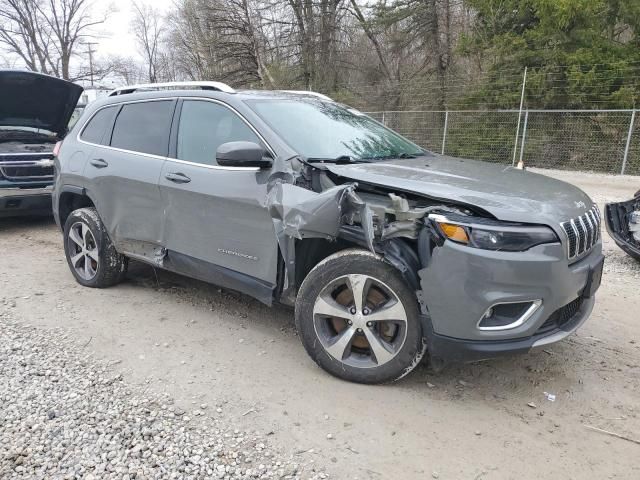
pixel 96 129
pixel 144 127
pixel 204 126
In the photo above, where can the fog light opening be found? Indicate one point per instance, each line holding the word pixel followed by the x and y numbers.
pixel 505 316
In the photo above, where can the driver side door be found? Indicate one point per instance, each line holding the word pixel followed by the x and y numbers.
pixel 216 227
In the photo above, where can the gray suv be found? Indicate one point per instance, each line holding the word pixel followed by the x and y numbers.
pixel 386 250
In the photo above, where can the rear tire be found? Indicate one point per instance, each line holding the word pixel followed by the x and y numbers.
pixel 377 339
pixel 92 258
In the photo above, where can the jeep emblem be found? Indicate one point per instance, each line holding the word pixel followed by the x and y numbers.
pixel 580 205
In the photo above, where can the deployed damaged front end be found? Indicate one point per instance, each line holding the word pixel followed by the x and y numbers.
pixel 501 260
pixel 623 224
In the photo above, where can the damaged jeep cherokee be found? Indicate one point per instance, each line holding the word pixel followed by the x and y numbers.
pixel 386 250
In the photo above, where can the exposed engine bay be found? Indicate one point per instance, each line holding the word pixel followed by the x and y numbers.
pixel 319 204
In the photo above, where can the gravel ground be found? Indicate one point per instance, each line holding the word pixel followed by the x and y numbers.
pixel 64 414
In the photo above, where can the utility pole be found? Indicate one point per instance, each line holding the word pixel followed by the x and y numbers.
pixel 90 52
pixel 515 145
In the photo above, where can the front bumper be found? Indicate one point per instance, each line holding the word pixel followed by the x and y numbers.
pixel 25 201
pixel 461 283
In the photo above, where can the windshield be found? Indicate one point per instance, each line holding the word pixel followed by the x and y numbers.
pixel 326 130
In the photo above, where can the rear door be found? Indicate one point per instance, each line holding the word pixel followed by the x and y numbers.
pixel 214 214
pixel 124 175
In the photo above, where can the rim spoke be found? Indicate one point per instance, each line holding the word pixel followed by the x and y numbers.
pixel 87 268
pixel 359 288
pixel 93 254
pixel 329 307
pixel 377 347
pixel 85 229
pixel 76 258
pixel 387 312
pixel 341 347
pixel 73 235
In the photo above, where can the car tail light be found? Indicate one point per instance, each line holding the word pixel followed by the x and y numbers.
pixel 56 149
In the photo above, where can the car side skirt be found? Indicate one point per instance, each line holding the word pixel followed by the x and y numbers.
pixel 217 275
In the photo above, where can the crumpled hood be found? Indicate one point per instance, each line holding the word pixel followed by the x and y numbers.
pixel 507 193
pixel 29 99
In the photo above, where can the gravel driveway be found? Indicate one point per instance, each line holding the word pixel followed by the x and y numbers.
pixel 165 377
pixel 67 415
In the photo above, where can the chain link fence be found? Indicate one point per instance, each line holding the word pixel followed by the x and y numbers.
pixel 606 141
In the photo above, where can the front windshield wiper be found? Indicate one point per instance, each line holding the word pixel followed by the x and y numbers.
pixel 402 155
pixel 340 159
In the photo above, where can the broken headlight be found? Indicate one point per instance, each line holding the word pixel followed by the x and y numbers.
pixel 492 235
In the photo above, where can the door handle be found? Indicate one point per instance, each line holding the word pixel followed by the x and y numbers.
pixel 177 177
pixel 99 163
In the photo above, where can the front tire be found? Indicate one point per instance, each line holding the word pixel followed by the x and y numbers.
pixel 92 258
pixel 358 319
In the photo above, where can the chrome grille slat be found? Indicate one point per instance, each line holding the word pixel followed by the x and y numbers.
pixel 589 228
pixel 582 232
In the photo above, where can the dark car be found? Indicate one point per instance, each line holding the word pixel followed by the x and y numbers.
pixel 34 112
pixel 385 249
pixel 623 224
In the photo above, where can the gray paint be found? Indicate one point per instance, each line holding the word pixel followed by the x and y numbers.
pixel 461 283
pixel 507 193
pixel 219 210
pixel 236 219
pixel 127 196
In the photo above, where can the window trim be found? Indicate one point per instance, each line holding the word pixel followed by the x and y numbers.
pixel 109 128
pixel 233 110
pixel 115 120
pixel 168 157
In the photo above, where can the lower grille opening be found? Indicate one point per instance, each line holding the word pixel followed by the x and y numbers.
pixel 561 317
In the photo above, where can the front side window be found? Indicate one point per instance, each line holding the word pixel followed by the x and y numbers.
pixel 96 129
pixel 327 130
pixel 144 127
pixel 204 126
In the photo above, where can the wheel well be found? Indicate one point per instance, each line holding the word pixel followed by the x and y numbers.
pixel 399 253
pixel 311 251
pixel 69 202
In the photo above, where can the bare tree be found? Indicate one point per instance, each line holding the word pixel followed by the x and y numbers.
pixel 220 39
pixel 127 70
pixel 149 28
pixel 46 34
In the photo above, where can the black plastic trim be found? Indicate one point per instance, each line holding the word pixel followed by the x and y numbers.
pixel 225 277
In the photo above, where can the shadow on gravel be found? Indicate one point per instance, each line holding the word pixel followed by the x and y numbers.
pixel 19 224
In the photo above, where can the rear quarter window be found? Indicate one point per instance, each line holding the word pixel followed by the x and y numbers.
pixel 95 131
pixel 144 127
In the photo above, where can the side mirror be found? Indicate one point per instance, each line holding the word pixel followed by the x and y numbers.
pixel 242 154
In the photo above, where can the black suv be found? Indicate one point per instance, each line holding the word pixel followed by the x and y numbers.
pixel 385 249
pixel 34 112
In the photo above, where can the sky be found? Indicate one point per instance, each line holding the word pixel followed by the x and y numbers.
pixel 114 35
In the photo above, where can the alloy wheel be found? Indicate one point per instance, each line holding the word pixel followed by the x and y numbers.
pixel 360 321
pixel 83 251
